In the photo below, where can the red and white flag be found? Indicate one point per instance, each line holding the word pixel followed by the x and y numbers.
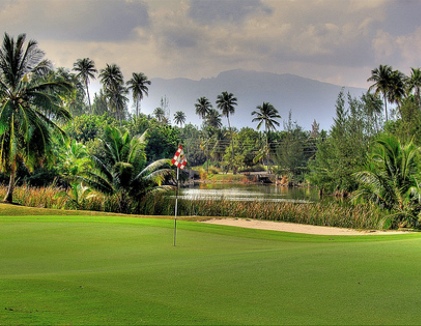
pixel 179 160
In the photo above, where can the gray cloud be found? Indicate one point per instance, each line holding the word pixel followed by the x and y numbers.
pixel 402 17
pixel 329 40
pixel 93 20
pixel 228 11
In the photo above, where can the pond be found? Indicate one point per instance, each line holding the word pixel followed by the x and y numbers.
pixel 249 192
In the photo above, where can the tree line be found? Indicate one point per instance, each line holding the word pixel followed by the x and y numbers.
pixel 51 131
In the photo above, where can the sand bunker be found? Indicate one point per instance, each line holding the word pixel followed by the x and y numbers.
pixel 295 228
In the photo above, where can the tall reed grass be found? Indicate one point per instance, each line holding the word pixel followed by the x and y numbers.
pixel 320 213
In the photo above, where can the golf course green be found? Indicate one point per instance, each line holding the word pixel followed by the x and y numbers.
pixel 116 270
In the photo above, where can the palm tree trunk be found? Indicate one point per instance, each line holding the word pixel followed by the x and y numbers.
pixel 8 198
pixel 89 98
pixel 232 145
pixel 385 107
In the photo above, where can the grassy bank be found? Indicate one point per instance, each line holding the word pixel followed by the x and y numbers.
pixel 326 214
pixel 120 270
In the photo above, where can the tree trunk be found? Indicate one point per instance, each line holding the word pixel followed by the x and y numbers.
pixel 232 145
pixel 89 98
pixel 11 187
pixel 385 107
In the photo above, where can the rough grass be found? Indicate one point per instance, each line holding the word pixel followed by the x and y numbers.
pixel 115 270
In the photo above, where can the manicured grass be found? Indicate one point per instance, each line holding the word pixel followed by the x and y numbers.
pixel 111 270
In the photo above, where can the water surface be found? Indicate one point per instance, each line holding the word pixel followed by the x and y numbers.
pixel 254 192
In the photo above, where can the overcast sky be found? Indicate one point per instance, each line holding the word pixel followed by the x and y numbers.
pixel 336 41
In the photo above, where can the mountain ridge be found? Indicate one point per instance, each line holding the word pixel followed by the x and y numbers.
pixel 306 98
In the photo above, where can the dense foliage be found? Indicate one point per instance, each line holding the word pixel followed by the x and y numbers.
pixel 118 155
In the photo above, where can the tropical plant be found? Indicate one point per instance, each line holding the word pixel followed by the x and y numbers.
pixel 226 102
pixel 382 78
pixel 180 118
pixel 30 107
pixel 138 86
pixel 213 119
pixel 203 107
pixel 414 84
pixel 267 115
pixel 397 86
pixel 85 69
pixel 392 179
pixel 122 171
pixel 159 114
pixel 113 83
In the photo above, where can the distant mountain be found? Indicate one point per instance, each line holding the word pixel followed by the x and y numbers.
pixel 307 99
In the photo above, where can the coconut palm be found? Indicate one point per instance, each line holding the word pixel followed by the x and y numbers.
pixel 414 84
pixel 267 115
pixel 121 170
pixel 85 69
pixel 30 107
pixel 180 118
pixel 396 91
pixel 203 107
pixel 213 119
pixel 226 102
pixel 381 77
pixel 113 83
pixel 159 114
pixel 138 86
pixel 392 180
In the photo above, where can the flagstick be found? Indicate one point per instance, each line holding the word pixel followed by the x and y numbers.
pixel 176 208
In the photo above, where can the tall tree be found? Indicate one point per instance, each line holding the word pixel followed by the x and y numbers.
pixel 159 114
pixel 213 119
pixel 391 179
pixel 226 102
pixel 85 69
pixel 30 107
pixel 382 77
pixel 180 118
pixel 203 107
pixel 414 84
pixel 396 92
pixel 138 86
pixel 113 83
pixel 267 115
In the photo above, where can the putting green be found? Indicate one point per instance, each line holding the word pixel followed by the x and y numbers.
pixel 119 270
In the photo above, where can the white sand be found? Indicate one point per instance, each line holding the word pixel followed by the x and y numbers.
pixel 295 228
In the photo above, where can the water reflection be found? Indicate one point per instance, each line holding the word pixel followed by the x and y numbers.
pixel 239 192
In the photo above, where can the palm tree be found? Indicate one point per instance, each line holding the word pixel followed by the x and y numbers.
pixel 392 180
pixel 111 76
pixel 113 84
pixel 226 102
pixel 85 69
pixel 397 88
pixel 180 118
pixel 414 83
pixel 203 107
pixel 121 170
pixel 267 115
pixel 213 119
pixel 30 107
pixel 159 114
pixel 381 77
pixel 138 87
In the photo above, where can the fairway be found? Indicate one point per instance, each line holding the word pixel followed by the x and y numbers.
pixel 95 270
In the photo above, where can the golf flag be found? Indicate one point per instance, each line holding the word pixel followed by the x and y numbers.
pixel 179 159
